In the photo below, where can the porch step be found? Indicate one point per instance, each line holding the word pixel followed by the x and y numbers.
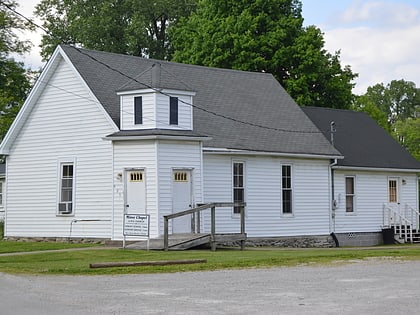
pixel 401 240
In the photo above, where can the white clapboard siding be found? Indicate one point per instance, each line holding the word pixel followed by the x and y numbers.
pixel 184 112
pixel 178 155
pixel 135 154
pixel 263 195
pixel 65 124
pixel 371 192
pixel 148 110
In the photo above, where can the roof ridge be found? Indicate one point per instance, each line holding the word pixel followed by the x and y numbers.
pixel 151 60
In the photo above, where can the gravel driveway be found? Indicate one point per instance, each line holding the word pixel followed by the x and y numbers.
pixel 379 286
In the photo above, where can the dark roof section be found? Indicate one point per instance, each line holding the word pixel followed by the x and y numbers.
pixel 361 140
pixel 235 97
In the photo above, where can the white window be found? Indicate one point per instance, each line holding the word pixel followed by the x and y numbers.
pixel 66 189
pixel 238 185
pixel 1 194
pixel 350 194
pixel 286 186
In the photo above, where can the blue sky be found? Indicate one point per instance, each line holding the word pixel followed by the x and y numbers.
pixel 379 39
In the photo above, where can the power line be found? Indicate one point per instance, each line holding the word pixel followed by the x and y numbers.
pixel 160 91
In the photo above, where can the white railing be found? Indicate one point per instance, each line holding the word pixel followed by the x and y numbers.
pixel 414 216
pixel 396 217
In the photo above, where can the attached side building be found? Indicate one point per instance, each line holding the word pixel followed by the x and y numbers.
pixel 376 175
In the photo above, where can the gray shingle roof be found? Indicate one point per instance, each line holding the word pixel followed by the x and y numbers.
pixel 361 140
pixel 224 100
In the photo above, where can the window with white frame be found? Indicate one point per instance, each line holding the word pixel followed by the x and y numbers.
pixel 286 186
pixel 66 189
pixel 350 194
pixel 238 185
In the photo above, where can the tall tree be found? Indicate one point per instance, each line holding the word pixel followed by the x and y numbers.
pixel 267 36
pixel 399 99
pixel 14 83
pixel 408 133
pixel 135 27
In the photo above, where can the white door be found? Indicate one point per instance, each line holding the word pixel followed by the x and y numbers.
pixel 181 200
pixel 135 196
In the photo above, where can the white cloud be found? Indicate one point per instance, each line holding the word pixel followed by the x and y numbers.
pixel 380 13
pixel 376 51
pixel 32 59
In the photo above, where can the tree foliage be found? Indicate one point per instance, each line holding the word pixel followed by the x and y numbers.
pixel 408 133
pixel 399 99
pixel 266 36
pixel 14 83
pixel 135 27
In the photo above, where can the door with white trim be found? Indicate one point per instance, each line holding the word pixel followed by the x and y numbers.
pixel 135 188
pixel 181 200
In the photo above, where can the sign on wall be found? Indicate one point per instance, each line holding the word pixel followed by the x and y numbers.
pixel 136 224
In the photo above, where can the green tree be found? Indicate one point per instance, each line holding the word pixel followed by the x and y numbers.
pixel 135 27
pixel 14 82
pixel 408 133
pixel 266 36
pixel 399 99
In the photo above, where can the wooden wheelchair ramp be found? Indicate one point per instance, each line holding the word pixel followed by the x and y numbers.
pixel 186 241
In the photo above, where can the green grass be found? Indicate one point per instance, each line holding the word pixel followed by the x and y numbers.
pixel 77 262
pixel 14 247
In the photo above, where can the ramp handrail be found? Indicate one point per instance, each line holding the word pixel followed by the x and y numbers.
pixel 394 218
pixel 197 211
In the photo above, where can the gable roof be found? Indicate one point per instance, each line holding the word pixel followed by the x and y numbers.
pixel 236 109
pixel 361 140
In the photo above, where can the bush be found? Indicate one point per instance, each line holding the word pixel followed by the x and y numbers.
pixel 1 230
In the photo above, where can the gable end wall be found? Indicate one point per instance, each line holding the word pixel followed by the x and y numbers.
pixel 65 123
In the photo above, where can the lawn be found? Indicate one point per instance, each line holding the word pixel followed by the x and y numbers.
pixel 77 262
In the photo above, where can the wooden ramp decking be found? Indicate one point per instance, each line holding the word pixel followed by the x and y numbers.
pixel 187 241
